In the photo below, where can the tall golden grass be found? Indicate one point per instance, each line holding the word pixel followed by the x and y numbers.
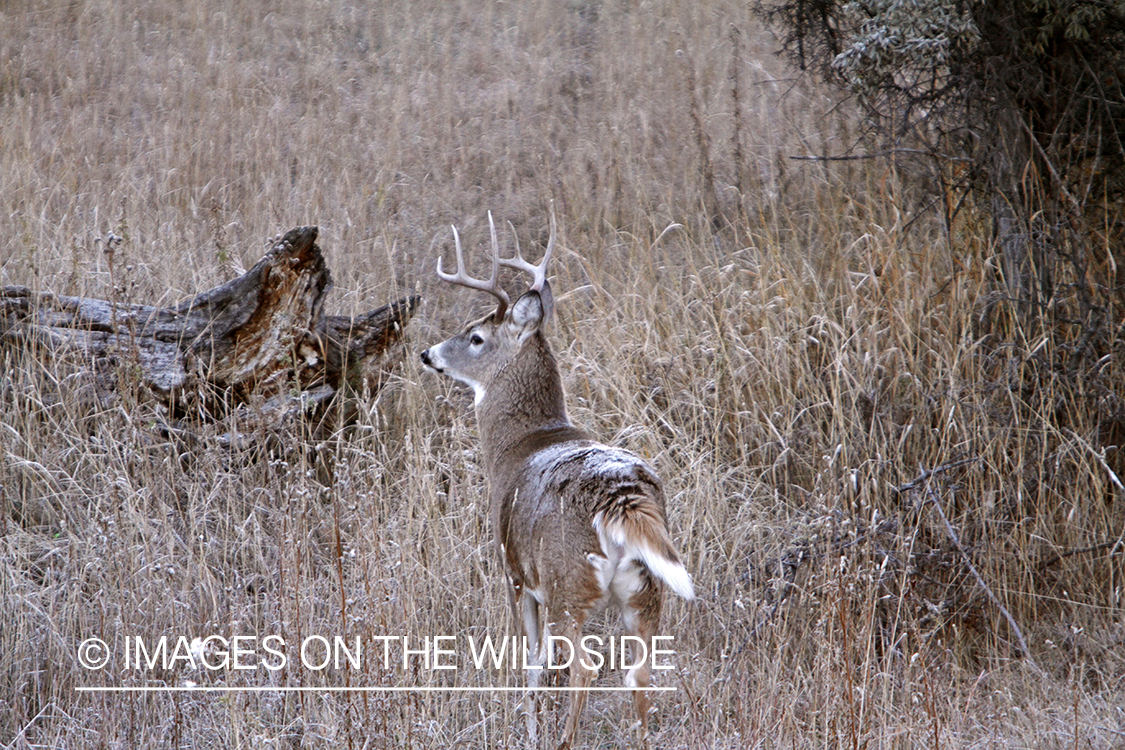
pixel 789 342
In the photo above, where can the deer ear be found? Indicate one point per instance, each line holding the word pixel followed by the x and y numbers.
pixel 527 314
pixel 548 300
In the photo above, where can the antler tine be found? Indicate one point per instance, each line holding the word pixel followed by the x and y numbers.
pixel 538 272
pixel 461 278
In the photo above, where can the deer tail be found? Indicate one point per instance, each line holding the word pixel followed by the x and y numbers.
pixel 638 527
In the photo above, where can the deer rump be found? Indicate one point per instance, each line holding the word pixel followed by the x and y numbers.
pixel 604 503
pixel 579 525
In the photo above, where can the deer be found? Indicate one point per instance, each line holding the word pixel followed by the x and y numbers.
pixel 579 526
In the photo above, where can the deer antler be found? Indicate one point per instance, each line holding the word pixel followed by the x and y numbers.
pixel 461 278
pixel 538 272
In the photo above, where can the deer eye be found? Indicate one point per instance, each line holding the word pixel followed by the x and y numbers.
pixel 476 339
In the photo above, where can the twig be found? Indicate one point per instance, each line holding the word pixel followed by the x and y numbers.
pixel 1026 653
pixel 928 473
pixel 1079 551
pixel 791 563
pixel 1100 458
pixel 42 714
pixel 880 154
pixel 1074 203
pixel 924 477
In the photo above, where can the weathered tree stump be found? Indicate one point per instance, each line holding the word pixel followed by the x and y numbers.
pixel 260 343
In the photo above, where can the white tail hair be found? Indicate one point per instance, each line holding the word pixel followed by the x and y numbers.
pixel 578 524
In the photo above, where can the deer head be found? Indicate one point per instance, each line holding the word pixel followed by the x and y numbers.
pixel 485 350
pixel 578 524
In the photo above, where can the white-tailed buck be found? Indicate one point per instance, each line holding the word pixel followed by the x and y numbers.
pixel 579 525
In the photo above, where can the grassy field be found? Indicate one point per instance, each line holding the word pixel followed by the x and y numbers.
pixel 850 426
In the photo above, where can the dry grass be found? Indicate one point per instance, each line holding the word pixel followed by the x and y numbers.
pixel 787 357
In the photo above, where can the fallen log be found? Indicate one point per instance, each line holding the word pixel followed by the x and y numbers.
pixel 262 337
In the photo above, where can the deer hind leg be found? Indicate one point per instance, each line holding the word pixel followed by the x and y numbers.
pixel 582 674
pixel 534 630
pixel 641 615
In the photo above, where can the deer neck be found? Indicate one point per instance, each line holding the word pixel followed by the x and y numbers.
pixel 522 405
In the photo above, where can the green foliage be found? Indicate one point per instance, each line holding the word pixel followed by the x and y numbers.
pixel 791 378
pixel 891 43
pixel 1077 21
pixel 1030 94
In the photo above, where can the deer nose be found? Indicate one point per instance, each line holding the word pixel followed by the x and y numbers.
pixel 428 361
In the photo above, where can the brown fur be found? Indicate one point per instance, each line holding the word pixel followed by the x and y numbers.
pixel 551 487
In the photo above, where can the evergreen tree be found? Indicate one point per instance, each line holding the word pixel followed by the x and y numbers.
pixel 1026 98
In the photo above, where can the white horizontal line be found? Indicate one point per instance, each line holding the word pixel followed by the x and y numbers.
pixel 365 689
